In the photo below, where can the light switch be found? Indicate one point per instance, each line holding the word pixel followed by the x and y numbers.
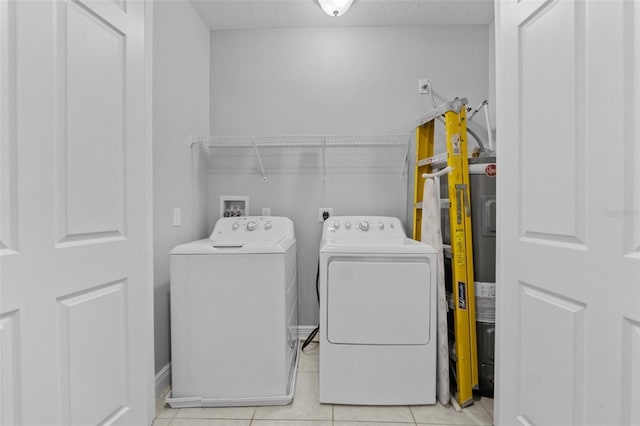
pixel 176 216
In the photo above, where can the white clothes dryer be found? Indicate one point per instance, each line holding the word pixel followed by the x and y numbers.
pixel 234 315
pixel 377 314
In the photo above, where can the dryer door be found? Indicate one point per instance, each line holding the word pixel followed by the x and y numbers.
pixel 379 302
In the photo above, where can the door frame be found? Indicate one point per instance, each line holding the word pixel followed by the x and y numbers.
pixel 148 210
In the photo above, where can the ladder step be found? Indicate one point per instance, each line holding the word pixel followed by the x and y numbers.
pixel 431 160
pixel 444 204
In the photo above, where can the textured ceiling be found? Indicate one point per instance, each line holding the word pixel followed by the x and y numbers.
pixel 247 14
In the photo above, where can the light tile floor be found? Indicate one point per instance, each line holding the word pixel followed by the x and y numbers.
pixel 305 410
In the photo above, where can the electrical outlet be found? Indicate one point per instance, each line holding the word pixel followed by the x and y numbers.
pixel 321 210
pixel 424 87
pixel 266 211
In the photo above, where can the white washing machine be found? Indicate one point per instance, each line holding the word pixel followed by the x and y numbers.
pixel 234 315
pixel 377 314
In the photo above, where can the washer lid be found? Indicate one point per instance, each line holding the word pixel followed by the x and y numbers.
pixel 252 234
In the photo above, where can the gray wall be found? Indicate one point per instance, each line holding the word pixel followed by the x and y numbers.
pixel 314 81
pixel 180 108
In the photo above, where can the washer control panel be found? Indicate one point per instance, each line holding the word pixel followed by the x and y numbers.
pixel 252 228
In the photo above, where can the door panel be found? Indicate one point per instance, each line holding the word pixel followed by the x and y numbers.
pixel 631 365
pixel 101 397
pixel 632 137
pixel 81 352
pixel 9 369
pixel 91 119
pixel 568 300
pixel 8 149
pixel 552 156
pixel 543 349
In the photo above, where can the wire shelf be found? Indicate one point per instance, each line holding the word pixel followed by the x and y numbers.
pixel 267 155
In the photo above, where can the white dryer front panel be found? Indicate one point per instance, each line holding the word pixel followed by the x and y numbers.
pixel 378 301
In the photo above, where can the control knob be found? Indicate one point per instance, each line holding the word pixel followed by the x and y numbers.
pixel 336 225
pixel 347 225
pixel 251 226
pixel 380 226
pixel 364 225
pixel 235 226
pixel 267 225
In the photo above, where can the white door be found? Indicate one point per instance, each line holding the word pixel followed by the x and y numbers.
pixel 75 313
pixel 568 314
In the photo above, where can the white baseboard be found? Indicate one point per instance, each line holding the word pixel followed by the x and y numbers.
pixel 163 380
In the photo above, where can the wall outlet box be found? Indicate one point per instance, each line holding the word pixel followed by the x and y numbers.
pixel 234 205
pixel 322 210
pixel 424 87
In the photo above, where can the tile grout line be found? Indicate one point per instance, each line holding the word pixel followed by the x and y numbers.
pixel 487 410
pixel 415 422
pixel 253 415
pixel 484 408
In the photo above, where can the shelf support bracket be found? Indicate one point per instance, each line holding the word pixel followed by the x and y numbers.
pixel 255 147
pixel 324 160
pixel 405 162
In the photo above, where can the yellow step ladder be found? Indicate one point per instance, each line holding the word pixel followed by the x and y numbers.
pixel 463 354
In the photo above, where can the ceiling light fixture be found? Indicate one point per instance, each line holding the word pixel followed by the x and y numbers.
pixel 335 7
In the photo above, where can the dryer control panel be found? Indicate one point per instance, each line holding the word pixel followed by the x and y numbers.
pixel 356 228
